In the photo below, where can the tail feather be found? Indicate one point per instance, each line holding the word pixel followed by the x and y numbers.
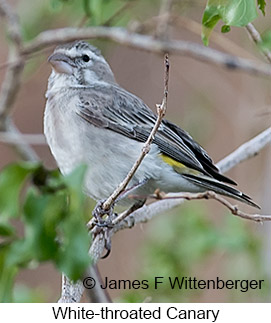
pixel 220 188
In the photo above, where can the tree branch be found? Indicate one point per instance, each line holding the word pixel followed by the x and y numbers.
pixel 12 82
pixel 31 139
pixel 147 43
pixel 249 149
pixel 12 78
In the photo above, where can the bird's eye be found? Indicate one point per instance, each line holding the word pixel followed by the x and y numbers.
pixel 85 58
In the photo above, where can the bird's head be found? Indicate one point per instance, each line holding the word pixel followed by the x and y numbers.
pixel 79 63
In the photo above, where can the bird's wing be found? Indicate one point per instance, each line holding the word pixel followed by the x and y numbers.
pixel 114 108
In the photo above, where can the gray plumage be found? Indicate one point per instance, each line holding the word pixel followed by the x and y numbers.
pixel 89 118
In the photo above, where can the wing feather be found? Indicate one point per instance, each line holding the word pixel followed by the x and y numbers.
pixel 111 107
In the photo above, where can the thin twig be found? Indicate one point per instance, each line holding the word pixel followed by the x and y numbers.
pixel 150 44
pixel 209 195
pixel 256 37
pixel 161 110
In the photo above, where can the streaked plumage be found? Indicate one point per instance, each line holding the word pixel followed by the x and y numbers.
pixel 90 118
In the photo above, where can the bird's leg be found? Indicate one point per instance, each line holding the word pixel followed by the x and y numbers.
pixel 107 229
pixel 99 211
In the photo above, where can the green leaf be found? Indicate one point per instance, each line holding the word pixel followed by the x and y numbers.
pixel 42 215
pixel 232 13
pixel 12 179
pixel 261 5
pixel 7 275
pixel 73 258
pixel 225 29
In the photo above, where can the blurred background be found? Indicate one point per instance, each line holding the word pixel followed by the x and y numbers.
pixel 219 108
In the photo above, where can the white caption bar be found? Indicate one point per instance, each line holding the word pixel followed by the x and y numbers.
pixel 152 312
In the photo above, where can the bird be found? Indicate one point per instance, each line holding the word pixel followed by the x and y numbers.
pixel 90 119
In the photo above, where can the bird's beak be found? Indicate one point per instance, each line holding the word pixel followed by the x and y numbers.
pixel 61 63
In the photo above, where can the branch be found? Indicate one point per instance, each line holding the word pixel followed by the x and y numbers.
pixel 12 78
pixel 12 81
pixel 20 145
pixel 14 29
pixel 256 37
pixel 211 195
pixel 71 292
pixel 245 151
pixel 161 110
pixel 147 43
pixel 31 139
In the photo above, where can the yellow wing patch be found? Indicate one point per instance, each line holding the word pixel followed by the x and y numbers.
pixel 177 166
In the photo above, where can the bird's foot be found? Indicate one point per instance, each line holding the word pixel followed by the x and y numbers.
pixel 99 212
pixel 104 226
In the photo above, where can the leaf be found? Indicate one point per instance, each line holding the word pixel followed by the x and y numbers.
pixel 12 179
pixel 225 29
pixel 233 13
pixel 261 5
pixel 73 258
pixel 7 275
pixel 6 230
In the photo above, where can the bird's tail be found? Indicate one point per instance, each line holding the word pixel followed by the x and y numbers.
pixel 220 188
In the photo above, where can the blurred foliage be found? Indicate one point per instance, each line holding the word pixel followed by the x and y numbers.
pixel 190 240
pixel 266 41
pixel 24 294
pixel 232 13
pixel 52 213
pixel 79 13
